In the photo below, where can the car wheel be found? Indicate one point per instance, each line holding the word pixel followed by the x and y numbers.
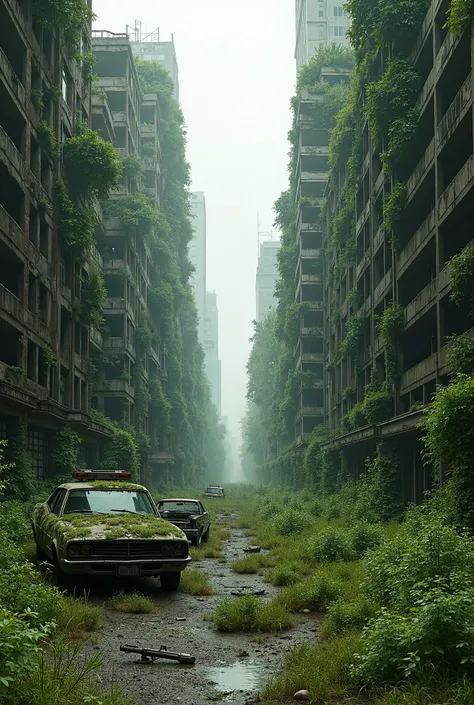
pixel 170 581
pixel 41 556
pixel 205 537
pixel 63 581
pixel 197 540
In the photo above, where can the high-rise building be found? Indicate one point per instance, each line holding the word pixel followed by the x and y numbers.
pixel 267 275
pixel 149 47
pixel 197 255
pixel 319 23
pixel 211 349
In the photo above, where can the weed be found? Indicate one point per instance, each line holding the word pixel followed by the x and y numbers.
pixel 132 602
pixel 323 669
pixel 77 617
pixel 246 565
pixel 193 582
pixel 249 613
pixel 285 575
pixel 331 544
pixel 343 616
pixel 316 594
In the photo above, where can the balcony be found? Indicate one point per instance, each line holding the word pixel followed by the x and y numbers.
pixel 455 112
pixel 120 345
pixel 423 166
pixel 96 338
pixel 459 187
pixel 97 257
pixel 118 386
pixel 363 216
pixel 310 411
pixel 423 301
pixel 37 325
pixel 426 91
pixel 12 80
pixel 12 155
pixel 417 243
pixel 10 304
pixel 381 288
pixel 420 374
pixel 119 117
pixel 11 229
pixel 147 130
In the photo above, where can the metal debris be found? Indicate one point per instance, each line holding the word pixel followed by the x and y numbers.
pixel 149 655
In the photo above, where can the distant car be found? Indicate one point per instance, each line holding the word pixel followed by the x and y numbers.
pixel 189 515
pixel 101 524
pixel 214 492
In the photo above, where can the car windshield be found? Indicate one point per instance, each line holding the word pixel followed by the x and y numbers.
pixel 177 506
pixel 108 502
pixel 214 490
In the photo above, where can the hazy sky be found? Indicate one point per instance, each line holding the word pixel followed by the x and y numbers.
pixel 237 75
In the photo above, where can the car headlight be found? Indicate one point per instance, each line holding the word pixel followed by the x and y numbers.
pixel 73 550
pixel 167 549
pixel 86 550
pixel 180 549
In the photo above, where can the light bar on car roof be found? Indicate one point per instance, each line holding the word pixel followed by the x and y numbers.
pixel 101 475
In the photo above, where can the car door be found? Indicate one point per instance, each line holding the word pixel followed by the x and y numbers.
pixel 55 504
pixel 205 518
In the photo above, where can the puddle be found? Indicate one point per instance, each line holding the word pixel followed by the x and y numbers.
pixel 240 676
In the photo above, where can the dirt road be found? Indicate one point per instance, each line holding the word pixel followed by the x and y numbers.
pixel 229 667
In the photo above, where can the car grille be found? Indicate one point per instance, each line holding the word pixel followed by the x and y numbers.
pixel 132 550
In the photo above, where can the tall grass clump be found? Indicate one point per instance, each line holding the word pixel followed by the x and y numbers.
pixel 251 614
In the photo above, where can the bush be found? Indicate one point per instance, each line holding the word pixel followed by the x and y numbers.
pixel 285 575
pixel 363 537
pixel 343 616
pixel 425 549
pixel 19 645
pixel 193 582
pixel 246 565
pixel 13 522
pixel 250 613
pixel 290 521
pixel 439 630
pixel 331 545
pixel 22 589
pixel 315 595
pixel 78 617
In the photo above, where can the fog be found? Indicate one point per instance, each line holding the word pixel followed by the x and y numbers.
pixel 237 75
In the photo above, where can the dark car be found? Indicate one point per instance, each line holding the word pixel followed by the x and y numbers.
pixel 214 492
pixel 188 515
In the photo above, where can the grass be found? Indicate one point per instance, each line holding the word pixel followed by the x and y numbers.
pixel 247 565
pixel 329 583
pixel 132 603
pixel 322 668
pixel 213 548
pixel 78 618
pixel 251 614
pixel 193 582
pixel 285 574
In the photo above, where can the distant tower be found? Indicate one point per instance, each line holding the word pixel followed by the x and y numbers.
pixel 319 23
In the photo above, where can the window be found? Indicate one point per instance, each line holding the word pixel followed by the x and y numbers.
pixel 338 11
pixel 38 450
pixel 57 502
pixel 339 31
pixel 321 13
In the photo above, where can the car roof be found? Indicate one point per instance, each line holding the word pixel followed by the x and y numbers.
pixel 177 499
pixel 114 485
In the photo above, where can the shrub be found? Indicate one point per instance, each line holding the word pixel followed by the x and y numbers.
pixel 22 589
pixel 315 595
pixel 285 575
pixel 19 645
pixel 249 613
pixel 133 603
pixel 363 537
pixel 343 615
pixel 438 630
pixel 331 545
pixel 290 521
pixel 13 522
pixel 425 549
pixel 77 617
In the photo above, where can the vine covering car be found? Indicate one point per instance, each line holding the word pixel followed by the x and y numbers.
pixel 214 492
pixel 101 524
pixel 189 515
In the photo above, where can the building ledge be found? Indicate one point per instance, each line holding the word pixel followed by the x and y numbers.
pixel 405 423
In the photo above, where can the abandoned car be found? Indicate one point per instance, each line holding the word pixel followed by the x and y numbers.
pixel 214 492
pixel 102 524
pixel 189 515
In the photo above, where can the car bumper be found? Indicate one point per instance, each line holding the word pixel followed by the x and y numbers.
pixel 111 567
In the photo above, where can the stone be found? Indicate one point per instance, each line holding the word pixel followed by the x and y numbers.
pixel 306 611
pixel 301 695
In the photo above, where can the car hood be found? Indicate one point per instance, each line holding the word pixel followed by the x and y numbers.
pixel 107 527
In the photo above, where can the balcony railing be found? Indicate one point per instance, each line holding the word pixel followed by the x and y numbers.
pixel 10 303
pixel 461 100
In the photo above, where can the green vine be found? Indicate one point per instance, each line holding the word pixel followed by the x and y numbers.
pixel 19 475
pixel 47 138
pixel 76 223
pixel 393 208
pixel 65 452
pixel 70 16
pixel 93 297
pixel 94 166
pixel 390 325
pixel 460 16
pixel 462 278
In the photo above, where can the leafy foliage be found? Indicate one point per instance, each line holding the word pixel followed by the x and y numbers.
pixel 460 15
pixel 66 15
pixel 94 166
pixel 462 278
pixel 93 297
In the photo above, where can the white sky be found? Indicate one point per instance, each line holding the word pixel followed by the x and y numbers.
pixel 237 75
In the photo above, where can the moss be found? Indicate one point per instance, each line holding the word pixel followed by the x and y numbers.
pixel 115 485
pixel 114 526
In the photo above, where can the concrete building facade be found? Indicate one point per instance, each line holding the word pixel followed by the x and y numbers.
pixel 149 47
pixel 436 224
pixel 44 345
pixel 319 23
pixel 211 350
pixel 312 171
pixel 197 255
pixel 267 275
